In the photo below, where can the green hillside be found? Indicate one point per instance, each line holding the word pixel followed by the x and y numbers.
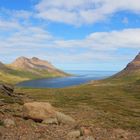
pixel 27 69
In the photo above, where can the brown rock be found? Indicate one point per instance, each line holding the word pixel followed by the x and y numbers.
pixel 50 121
pixel 65 119
pixel 73 135
pixel 7 89
pixel 38 111
pixel 9 123
pixel 85 131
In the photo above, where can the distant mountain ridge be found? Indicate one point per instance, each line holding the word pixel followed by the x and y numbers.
pixel 28 68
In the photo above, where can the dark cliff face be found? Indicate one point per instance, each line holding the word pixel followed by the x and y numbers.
pixel 134 65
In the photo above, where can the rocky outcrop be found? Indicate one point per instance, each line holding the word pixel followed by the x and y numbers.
pixel 7 89
pixel 46 114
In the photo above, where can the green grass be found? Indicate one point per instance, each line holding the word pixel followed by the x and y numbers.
pixel 109 103
pixel 124 78
pixel 106 106
pixel 14 76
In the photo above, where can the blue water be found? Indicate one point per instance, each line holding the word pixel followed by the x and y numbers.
pixel 80 77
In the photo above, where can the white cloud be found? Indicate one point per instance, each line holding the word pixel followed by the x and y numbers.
pixel 77 12
pixel 32 40
pixel 18 39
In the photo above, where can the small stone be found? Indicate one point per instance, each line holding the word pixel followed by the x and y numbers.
pixel 85 131
pixel 86 138
pixel 73 134
pixel 65 119
pixel 50 121
pixel 9 123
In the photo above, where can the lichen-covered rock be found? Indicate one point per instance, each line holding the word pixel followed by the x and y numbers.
pixel 65 119
pixel 9 123
pixel 86 138
pixel 73 135
pixel 38 111
pixel 50 121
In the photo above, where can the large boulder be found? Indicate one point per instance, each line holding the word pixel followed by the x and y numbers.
pixel 38 111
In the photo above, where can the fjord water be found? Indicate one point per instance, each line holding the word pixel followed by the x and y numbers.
pixel 80 77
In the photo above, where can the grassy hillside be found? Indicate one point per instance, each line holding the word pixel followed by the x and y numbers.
pixel 109 106
pixel 27 69
pixel 14 76
pixel 122 79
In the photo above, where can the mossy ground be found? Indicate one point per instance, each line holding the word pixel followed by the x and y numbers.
pixel 14 76
pixel 111 106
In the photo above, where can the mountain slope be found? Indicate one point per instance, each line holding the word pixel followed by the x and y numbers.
pixel 130 74
pixel 25 69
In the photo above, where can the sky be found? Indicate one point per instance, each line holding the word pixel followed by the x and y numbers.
pixel 72 35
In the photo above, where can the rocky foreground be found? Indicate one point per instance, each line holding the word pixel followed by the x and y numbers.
pixel 30 120
pixel 22 118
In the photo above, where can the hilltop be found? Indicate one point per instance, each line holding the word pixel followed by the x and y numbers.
pixel 28 68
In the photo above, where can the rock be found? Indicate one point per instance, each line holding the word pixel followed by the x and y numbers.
pixel 85 131
pixel 73 135
pixel 9 123
pixel 86 138
pixel 38 111
pixel 7 89
pixel 50 121
pixel 65 119
pixel 89 138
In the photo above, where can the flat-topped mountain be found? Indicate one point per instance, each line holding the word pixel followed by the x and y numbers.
pixel 28 68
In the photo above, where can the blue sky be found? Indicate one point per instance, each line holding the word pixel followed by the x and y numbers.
pixel 73 35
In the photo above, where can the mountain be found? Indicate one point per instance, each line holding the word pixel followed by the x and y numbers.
pixel 130 74
pixel 132 67
pixel 28 68
pixel 35 65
